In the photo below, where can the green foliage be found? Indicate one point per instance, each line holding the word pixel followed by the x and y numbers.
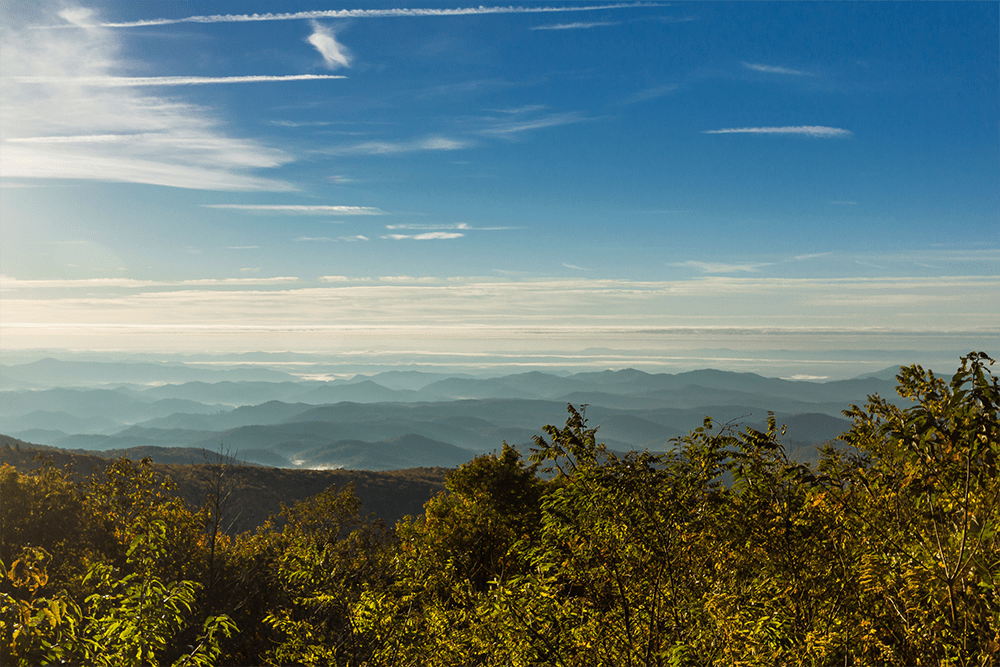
pixel 132 500
pixel 469 537
pixel 126 605
pixel 302 571
pixel 722 551
pixel 48 509
pixel 137 618
pixel 33 629
pixel 920 498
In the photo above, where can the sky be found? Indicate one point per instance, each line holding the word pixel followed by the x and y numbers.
pixel 429 178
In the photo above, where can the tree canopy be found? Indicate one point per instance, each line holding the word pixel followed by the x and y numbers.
pixel 723 551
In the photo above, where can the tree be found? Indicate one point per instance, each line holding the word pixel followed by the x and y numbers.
pixel 921 494
pixel 221 478
pixel 299 575
pixel 473 535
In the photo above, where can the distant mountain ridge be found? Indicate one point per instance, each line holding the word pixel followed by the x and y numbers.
pixel 633 410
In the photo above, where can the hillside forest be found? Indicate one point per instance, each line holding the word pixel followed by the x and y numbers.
pixel 721 550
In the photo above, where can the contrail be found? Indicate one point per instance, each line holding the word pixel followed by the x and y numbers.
pixel 369 13
pixel 809 130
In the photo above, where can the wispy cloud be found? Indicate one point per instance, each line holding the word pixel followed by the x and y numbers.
pixel 65 117
pixel 807 130
pixel 650 94
pixel 812 255
pixel 334 53
pixel 487 307
pixel 86 283
pixel 364 13
pixel 291 123
pixel 333 239
pixel 242 247
pixel 409 279
pixel 135 81
pixel 575 26
pixel 392 147
pixel 428 236
pixel 300 209
pixel 458 225
pixel 720 267
pixel 527 108
pixel 341 279
pixel 573 266
pixel 771 69
pixel 508 128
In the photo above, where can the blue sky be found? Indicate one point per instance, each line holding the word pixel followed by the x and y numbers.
pixel 584 167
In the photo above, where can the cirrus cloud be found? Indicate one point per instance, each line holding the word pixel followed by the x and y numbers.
pixel 299 209
pixel 771 69
pixel 806 130
pixel 428 236
pixel 65 115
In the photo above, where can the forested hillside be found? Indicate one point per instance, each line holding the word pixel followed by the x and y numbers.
pixel 722 550
pixel 255 492
pixel 442 421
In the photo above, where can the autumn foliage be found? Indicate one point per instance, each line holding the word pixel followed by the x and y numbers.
pixel 722 551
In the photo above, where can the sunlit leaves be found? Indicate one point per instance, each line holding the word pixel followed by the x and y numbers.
pixel 723 551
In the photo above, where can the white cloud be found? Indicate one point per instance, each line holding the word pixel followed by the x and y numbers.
pixel 368 13
pixel 291 123
pixel 338 239
pixel 487 306
pixel 78 16
pixel 808 130
pixel 135 81
pixel 341 279
pixel 771 69
pixel 527 108
pixel 242 247
pixel 434 143
pixel 573 266
pixel 650 94
pixel 813 255
pixel 409 279
pixel 458 225
pixel 428 236
pixel 324 39
pixel 75 121
pixel 441 144
pixel 575 26
pixel 299 209
pixel 516 127
pixel 512 124
pixel 720 267
pixel 8 282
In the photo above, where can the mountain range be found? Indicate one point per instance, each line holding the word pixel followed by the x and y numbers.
pixel 399 419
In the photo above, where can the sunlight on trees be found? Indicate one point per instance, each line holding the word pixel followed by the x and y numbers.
pixel 722 551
